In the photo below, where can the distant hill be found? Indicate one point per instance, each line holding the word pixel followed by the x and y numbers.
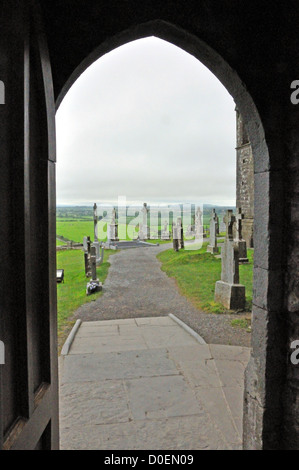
pixel 87 211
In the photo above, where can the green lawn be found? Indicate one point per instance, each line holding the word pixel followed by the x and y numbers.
pixel 73 229
pixel 196 273
pixel 72 293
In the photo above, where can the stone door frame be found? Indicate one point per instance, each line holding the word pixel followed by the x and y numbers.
pixel 265 374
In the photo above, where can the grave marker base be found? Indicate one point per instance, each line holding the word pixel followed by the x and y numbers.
pixel 232 296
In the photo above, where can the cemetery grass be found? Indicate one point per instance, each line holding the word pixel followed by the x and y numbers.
pixel 75 230
pixel 196 273
pixel 72 293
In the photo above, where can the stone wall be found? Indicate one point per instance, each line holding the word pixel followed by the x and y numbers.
pixel 245 180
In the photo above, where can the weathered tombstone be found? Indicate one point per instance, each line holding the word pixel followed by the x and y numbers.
pixel 93 263
pixel 212 247
pixel 239 238
pixel 144 228
pixel 165 235
pixel 96 242
pixel 222 227
pixel 175 240
pixel 229 220
pixel 112 233
pixel 228 291
pixel 180 232
pixel 87 258
pixel 217 222
pixel 94 285
pixel 190 232
pixel 84 243
pixel 198 224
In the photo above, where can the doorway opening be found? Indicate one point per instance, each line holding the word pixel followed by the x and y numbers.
pixel 158 159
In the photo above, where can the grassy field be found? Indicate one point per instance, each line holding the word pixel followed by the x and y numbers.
pixel 196 273
pixel 72 293
pixel 73 229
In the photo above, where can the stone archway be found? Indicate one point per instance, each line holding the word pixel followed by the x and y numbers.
pixel 261 410
pixel 45 45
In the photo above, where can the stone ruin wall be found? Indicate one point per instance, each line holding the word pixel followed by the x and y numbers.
pixel 245 180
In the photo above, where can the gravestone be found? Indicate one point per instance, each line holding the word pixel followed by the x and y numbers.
pixel 222 227
pixel 96 241
pixel 190 232
pixel 217 221
pixel 165 235
pixel 175 239
pixel 144 228
pixel 85 244
pixel 228 291
pixel 87 265
pixel 94 285
pixel 198 224
pixel 180 232
pixel 112 232
pixel 212 247
pixel 229 220
pixel 239 237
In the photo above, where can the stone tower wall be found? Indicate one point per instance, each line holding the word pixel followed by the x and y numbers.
pixel 245 180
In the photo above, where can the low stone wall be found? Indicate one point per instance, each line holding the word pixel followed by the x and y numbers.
pixel 70 246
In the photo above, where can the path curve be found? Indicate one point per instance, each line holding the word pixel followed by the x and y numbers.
pixel 137 287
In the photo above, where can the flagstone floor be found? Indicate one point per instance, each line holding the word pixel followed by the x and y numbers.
pixel 146 383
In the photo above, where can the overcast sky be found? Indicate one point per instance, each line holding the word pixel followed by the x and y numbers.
pixel 147 121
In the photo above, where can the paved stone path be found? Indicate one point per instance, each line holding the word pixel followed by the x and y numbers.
pixel 146 383
pixel 136 287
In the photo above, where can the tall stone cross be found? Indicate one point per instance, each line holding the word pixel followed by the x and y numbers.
pixel 198 215
pixel 93 263
pixel 239 217
pixel 95 222
pixel 113 216
pixel 144 213
pixel 180 232
pixel 212 247
pixel 216 219
pixel 175 238
pixel 229 220
pixel 198 223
